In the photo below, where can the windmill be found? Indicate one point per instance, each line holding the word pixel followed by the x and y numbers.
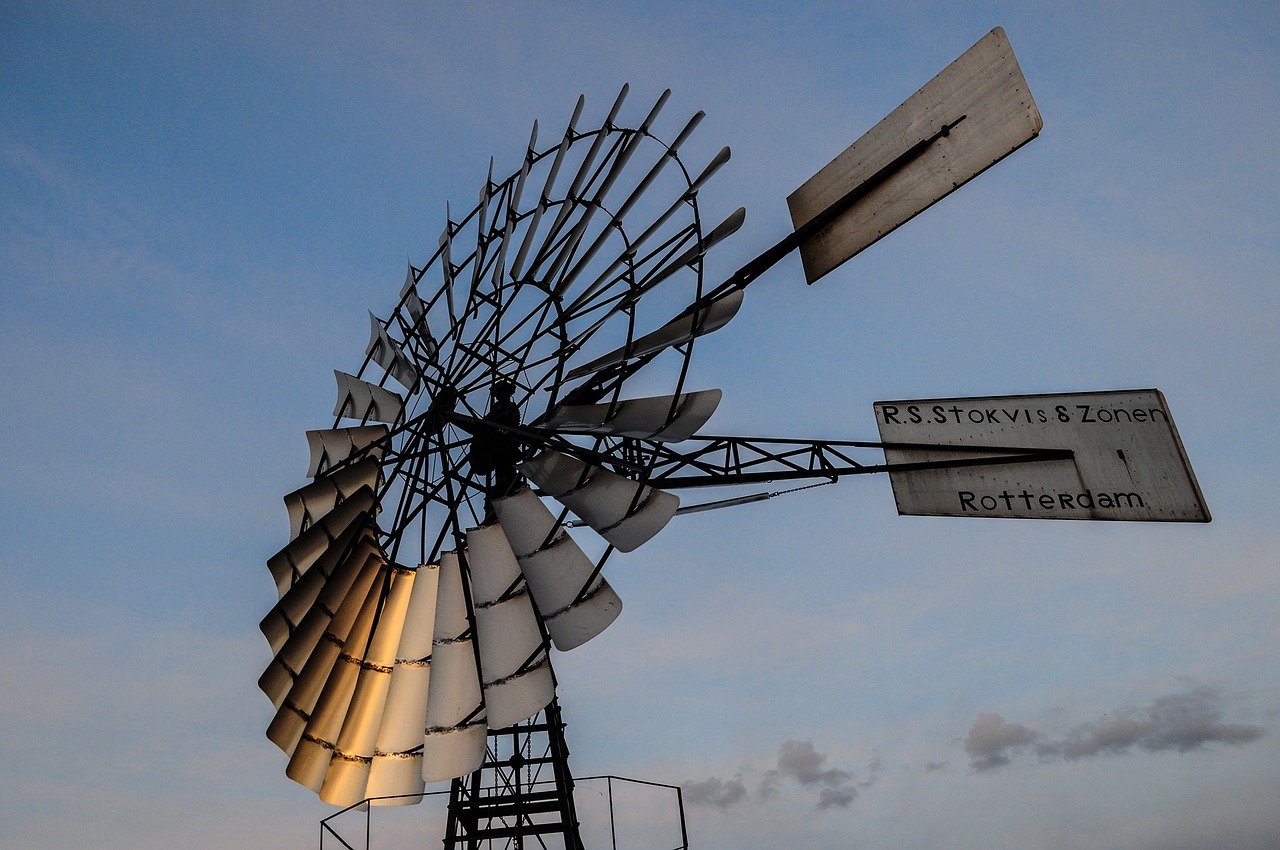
pixel 526 410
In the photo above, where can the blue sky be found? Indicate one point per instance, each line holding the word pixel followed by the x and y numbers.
pixel 201 202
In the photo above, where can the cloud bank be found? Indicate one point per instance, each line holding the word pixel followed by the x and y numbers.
pixel 1179 722
pixel 797 762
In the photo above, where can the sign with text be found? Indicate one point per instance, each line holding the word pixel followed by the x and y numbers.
pixel 1127 464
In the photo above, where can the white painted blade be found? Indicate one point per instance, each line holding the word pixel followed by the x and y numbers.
pixel 620 510
pixel 310 503
pixel 453 751
pixel 662 418
pixel 384 351
pixel 367 402
pixel 454 740
pixel 985 88
pixel 703 321
pixel 396 770
pixel 514 671
pixel 330 447
pixel 558 572
pixel 292 562
pixel 558 579
pixel 494 570
pixel 520 697
pixel 526 522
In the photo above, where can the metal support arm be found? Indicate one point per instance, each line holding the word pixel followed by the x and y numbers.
pixel 726 461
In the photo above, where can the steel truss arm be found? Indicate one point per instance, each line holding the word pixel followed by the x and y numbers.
pixel 714 461
pixel 725 461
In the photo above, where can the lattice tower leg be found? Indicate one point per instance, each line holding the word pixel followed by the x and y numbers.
pixel 522 795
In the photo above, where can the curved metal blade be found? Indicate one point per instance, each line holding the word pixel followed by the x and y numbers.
pixel 711 317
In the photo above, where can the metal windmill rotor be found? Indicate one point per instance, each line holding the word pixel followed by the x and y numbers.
pixel 525 409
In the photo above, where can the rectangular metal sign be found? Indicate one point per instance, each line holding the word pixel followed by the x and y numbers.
pixel 1128 464
pixel 974 113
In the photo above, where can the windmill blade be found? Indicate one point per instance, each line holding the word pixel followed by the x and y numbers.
pixel 390 356
pixel 367 402
pixel 454 740
pixel 330 447
pixel 298 622
pixel 512 205
pixel 353 748
pixel 717 162
pixel 309 761
pixel 514 671
pixel 312 502
pixel 409 296
pixel 576 603
pixel 597 201
pixel 620 510
pixel 292 562
pixel 575 190
pixel 288 613
pixel 670 154
pixel 974 113
pixel 666 418
pixel 530 234
pixel 653 277
pixel 396 771
pixel 296 707
pixel 417 324
pixel 711 317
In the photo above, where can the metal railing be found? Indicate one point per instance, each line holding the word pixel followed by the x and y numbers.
pixel 328 829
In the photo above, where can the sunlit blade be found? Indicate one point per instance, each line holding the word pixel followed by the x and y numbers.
pixel 662 418
pixel 620 510
pixel 709 318
pixel 293 635
pixel 390 357
pixel 514 671
pixel 330 447
pixel 397 761
pixel 367 402
pixel 348 773
pixel 310 759
pixel 311 677
pixel 454 740
pixel 281 621
pixel 576 604
pixel 291 563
